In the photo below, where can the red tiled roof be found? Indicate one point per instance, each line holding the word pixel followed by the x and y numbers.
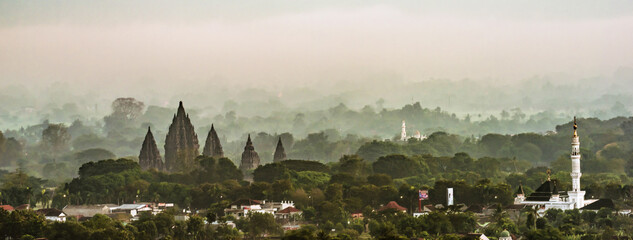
pixel 7 207
pixel 289 210
pixel 393 205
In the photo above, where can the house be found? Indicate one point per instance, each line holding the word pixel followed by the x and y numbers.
pixel 52 214
pixel 393 205
pixel 288 213
pixel 357 215
pixel 7 208
pixel 426 209
pixel 133 209
pixel 243 207
pixel 87 210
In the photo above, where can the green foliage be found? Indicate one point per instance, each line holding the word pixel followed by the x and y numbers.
pixel 107 166
pixel 379 179
pixel 354 166
pixel 397 166
pixel 19 223
pixel 19 188
pixel 216 170
pixel 67 230
pixel 306 232
pixel 309 179
pixel 303 165
pixel 375 149
pixel 93 155
pixel 271 172
pixel 258 224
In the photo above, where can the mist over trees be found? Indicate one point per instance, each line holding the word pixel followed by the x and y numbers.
pixel 332 171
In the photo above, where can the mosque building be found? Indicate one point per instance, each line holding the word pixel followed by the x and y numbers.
pixel 548 195
pixel 403 134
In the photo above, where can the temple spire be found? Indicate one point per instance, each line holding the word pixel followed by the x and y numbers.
pixel 250 158
pixel 280 152
pixel 212 147
pixel 181 143
pixel 149 157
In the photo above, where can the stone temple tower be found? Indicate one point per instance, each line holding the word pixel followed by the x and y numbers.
pixel 212 147
pixel 576 195
pixel 250 158
pixel 181 143
pixel 280 152
pixel 403 134
pixel 150 156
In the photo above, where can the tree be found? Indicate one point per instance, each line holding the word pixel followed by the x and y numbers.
pixel 306 232
pixel 56 139
pixel 379 179
pixel 12 150
pixel 354 165
pixel 270 172
pixel 128 108
pixel 66 230
pixel 107 166
pixel 125 111
pixel 93 154
pixel 216 170
pixel 375 149
pixel 261 223
pixel 329 211
pixel 195 225
pixel 493 142
pixel 397 166
pixel 19 223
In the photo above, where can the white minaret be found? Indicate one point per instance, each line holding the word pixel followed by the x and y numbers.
pixel 576 195
pixel 403 134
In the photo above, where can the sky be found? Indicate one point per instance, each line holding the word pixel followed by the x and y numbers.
pixel 131 45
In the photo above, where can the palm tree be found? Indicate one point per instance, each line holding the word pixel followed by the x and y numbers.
pixel 533 210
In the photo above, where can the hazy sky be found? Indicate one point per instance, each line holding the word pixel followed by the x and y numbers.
pixel 273 43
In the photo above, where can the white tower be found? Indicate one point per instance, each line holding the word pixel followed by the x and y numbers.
pixel 576 195
pixel 403 134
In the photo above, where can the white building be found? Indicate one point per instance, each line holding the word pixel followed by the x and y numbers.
pixel 403 133
pixel 52 214
pixel 548 196
pixel 243 207
pixel 132 209
pixel 417 135
pixel 87 210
